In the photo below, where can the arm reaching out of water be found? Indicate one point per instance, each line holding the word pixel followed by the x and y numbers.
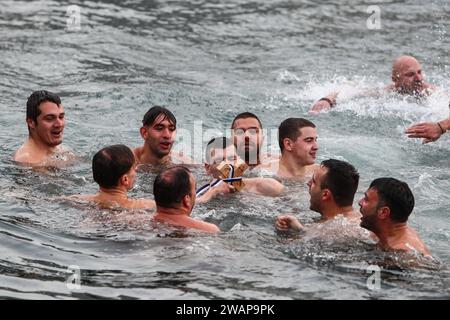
pixel 429 131
pixel 288 223
pixel 211 193
pixel 325 103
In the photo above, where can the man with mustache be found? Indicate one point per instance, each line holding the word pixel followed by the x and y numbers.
pixel 46 121
pixel 247 136
pixel 407 79
pixel 221 151
pixel 332 189
pixel 385 209
pixel 158 131
pixel 297 138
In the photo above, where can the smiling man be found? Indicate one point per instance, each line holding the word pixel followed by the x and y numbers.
pixel 297 138
pixel 46 122
pixel 158 131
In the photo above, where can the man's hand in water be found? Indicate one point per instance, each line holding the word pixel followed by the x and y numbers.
pixel 287 223
pixel 430 131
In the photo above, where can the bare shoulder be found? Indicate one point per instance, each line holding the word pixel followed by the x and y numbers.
pixel 270 165
pixel 180 158
pixel 23 155
pixel 138 153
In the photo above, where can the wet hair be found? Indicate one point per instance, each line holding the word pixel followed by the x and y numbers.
pixel 342 179
pixel 171 185
pixel 290 128
pixel 111 163
pixel 216 143
pixel 396 195
pixel 245 115
pixel 35 100
pixel 154 112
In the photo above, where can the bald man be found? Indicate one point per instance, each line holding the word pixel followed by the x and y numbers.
pixel 407 78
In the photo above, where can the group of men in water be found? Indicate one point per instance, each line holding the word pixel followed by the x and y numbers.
pixel 384 209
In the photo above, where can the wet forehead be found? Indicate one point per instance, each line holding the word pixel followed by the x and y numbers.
pixel 319 173
pixel 308 132
pixel 246 123
pixel 48 108
pixel 372 194
pixel 162 119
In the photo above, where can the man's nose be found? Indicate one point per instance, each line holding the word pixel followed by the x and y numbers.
pixel 59 122
pixel 418 77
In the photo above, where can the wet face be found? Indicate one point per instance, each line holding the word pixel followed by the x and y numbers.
pixel 219 155
pixel 305 147
pixel 159 136
pixel 315 189
pixel 408 76
pixel 50 124
pixel 248 138
pixel 368 206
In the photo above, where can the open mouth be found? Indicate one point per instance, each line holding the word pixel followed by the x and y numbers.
pixel 57 134
pixel 165 145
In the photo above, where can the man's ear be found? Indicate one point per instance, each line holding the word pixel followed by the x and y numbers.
pixel 287 143
pixel 187 201
pixel 124 180
pixel 326 194
pixel 144 132
pixel 31 124
pixel 384 213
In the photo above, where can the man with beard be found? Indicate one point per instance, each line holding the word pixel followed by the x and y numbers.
pixel 46 122
pixel 407 79
pixel 297 138
pixel 158 131
pixel 221 152
pixel 247 135
pixel 332 189
pixel 385 209
pixel 174 191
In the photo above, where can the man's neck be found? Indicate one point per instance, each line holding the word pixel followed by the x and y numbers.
pixel 117 193
pixel 40 147
pixel 172 212
pixel 148 157
pixel 334 210
pixel 289 164
pixel 390 233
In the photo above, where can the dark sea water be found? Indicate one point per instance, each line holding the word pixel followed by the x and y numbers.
pixel 208 61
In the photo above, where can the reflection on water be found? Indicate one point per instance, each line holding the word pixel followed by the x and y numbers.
pixel 208 61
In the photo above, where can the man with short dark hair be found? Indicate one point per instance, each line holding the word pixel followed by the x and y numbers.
pixel 332 189
pixel 114 169
pixel 158 130
pixel 174 191
pixel 247 136
pixel 220 154
pixel 45 120
pixel 385 210
pixel 297 138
